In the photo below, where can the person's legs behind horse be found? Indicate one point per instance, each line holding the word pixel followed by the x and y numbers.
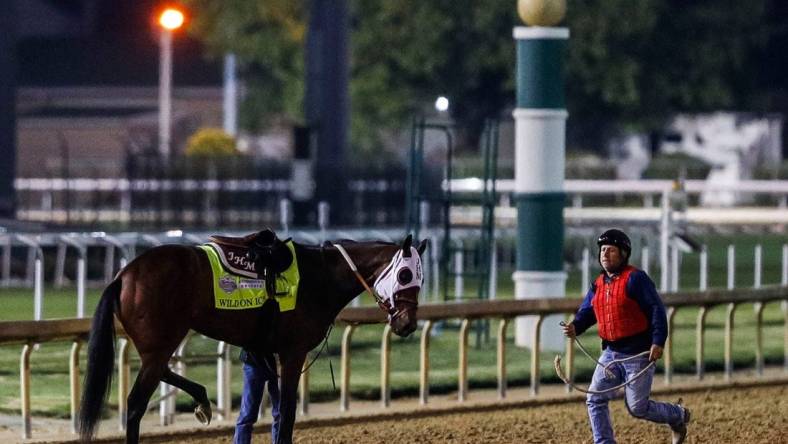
pixel 251 397
pixel 273 392
pixel 598 410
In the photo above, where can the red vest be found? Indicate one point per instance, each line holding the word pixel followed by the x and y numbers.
pixel 618 315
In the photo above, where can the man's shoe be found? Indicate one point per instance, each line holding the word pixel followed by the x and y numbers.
pixel 679 431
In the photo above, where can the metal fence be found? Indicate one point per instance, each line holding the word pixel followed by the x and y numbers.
pixel 75 331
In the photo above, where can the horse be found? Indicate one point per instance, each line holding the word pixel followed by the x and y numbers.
pixel 168 290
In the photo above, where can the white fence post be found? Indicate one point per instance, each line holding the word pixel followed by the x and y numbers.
pixel 223 369
pixel 458 269
pixel 493 288
pixel 675 257
pixel 704 269
pixel 784 279
pixel 37 255
pixel 323 210
pixel 731 267
pixel 60 265
pixel 757 266
pixel 584 276
pixel 285 215
pixel 664 240
pixel 6 262
pixel 434 254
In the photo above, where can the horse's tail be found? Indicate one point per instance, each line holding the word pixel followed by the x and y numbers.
pixel 101 358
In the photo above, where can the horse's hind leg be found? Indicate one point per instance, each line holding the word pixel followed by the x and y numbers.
pixel 197 391
pixel 147 380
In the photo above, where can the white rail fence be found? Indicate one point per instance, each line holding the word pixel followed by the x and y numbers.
pixel 120 248
pixel 44 198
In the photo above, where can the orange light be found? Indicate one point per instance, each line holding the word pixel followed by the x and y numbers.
pixel 171 19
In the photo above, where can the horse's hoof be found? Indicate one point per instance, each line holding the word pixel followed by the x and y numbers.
pixel 203 413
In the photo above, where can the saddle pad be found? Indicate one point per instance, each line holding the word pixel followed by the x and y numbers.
pixel 234 292
pixel 233 259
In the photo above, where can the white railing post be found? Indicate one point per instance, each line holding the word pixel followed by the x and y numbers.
pixel 24 385
pixel 784 279
pixel 458 270
pixel 81 269
pixel 74 383
pixel 424 217
pixel 6 262
pixel 757 266
pixel 731 266
pixel 60 265
pixel 675 257
pixel 664 240
pixel 645 259
pixel 704 269
pixel 323 209
pixel 493 284
pixel 434 261
pixel 285 215
pixel 164 416
pixel 584 275
pixel 39 286
pixel 344 388
pixel 109 263
pixel 82 276
pixel 37 254
pixel 123 382
pixel 223 369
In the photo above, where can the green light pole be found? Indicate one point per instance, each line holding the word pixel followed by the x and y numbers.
pixel 540 126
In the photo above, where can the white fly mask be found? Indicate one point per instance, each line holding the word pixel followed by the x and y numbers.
pixel 401 273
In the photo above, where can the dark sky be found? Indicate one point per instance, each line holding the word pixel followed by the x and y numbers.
pixel 114 44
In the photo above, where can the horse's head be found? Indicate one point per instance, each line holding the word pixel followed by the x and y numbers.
pixel 398 287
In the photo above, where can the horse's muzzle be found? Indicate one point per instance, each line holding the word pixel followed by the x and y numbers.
pixel 403 322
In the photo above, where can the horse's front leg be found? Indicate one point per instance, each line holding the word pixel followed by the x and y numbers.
pixel 292 363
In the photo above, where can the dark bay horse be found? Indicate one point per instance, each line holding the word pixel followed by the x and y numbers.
pixel 168 290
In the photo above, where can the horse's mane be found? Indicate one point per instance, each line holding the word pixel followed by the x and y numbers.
pixel 330 243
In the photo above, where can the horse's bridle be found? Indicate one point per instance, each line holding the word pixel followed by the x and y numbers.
pixel 389 308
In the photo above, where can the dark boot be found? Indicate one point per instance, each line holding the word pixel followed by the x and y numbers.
pixel 679 431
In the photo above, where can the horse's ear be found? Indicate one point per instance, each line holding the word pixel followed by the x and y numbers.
pixel 422 246
pixel 406 245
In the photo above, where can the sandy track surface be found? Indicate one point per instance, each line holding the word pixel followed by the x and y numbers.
pixel 751 415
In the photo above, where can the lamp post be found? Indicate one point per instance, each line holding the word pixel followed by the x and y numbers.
pixel 540 126
pixel 170 20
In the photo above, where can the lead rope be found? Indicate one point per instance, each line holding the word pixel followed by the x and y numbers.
pixel 560 372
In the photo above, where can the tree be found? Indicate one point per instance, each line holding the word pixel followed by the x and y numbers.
pixel 630 64
pixel 633 64
pixel 268 38
pixel 407 53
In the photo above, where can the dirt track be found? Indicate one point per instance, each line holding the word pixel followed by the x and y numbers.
pixel 753 415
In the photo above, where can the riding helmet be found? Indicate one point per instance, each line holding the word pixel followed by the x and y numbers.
pixel 617 238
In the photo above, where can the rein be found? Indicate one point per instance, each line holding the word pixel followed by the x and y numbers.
pixel 560 372
pixel 381 303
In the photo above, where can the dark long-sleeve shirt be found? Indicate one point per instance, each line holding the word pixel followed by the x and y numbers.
pixel 640 288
